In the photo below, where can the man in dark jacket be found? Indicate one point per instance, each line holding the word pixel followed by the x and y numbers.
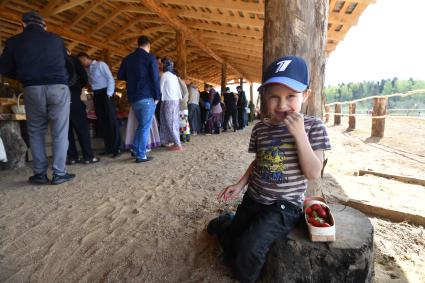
pixel 140 70
pixel 36 58
pixel 242 104
pixel 78 116
pixel 231 111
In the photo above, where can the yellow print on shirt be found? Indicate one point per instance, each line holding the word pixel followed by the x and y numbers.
pixel 271 163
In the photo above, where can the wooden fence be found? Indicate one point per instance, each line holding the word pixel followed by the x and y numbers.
pixel 379 112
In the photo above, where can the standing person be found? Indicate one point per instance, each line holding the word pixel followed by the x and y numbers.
pixel 230 100
pixel 242 104
pixel 289 150
pixel 184 113
pixel 37 59
pixel 140 70
pixel 171 94
pixel 194 110
pixel 205 106
pixel 103 85
pixel 78 116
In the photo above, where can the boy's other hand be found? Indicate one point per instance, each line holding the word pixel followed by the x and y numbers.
pixel 231 192
pixel 295 123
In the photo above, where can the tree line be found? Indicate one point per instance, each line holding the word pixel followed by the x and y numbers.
pixel 351 91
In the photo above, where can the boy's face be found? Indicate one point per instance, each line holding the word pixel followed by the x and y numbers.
pixel 282 100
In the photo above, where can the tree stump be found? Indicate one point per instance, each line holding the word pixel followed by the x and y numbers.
pixel 14 145
pixel 348 259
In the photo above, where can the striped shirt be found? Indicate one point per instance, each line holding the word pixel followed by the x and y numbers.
pixel 277 174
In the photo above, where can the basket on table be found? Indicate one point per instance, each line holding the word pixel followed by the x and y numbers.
pixel 18 108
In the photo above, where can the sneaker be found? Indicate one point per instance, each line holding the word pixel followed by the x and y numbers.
pixel 116 153
pixel 217 223
pixel 140 160
pixel 59 179
pixel 39 179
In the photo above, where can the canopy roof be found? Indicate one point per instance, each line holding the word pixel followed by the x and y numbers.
pixel 217 31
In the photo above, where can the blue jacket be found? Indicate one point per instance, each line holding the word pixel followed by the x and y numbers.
pixel 140 70
pixel 35 57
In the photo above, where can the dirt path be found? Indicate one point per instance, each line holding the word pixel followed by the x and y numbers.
pixel 121 221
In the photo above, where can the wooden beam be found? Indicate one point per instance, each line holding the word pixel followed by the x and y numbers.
pixel 222 18
pixel 64 32
pixel 245 7
pixel 226 29
pixel 85 12
pixel 234 40
pixel 147 31
pixel 105 21
pixel 223 77
pixel 56 7
pixel 173 21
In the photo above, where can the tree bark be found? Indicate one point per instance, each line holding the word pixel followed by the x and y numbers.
pixel 181 65
pixel 348 259
pixel 298 27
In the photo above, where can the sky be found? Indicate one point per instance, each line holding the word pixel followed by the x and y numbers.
pixel 388 41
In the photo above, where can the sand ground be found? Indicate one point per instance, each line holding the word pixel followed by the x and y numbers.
pixel 124 222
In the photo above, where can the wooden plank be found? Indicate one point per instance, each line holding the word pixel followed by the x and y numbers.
pixel 337 116
pixel 227 29
pixel 405 179
pixel 181 65
pixel 393 215
pixel 52 9
pixel 222 18
pixel 105 21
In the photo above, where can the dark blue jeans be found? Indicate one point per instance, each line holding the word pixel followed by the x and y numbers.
pixel 247 240
pixel 143 110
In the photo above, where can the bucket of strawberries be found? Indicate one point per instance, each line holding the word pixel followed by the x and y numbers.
pixel 319 219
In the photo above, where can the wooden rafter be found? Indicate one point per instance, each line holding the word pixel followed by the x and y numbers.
pixel 227 29
pixel 173 21
pixel 106 20
pixel 222 18
pixel 87 10
pixel 56 7
pixel 245 7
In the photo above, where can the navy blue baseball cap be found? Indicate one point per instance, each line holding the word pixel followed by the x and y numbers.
pixel 290 71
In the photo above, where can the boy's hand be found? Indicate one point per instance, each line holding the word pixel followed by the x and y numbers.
pixel 295 123
pixel 231 192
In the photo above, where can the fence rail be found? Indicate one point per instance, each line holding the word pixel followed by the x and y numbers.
pixel 379 112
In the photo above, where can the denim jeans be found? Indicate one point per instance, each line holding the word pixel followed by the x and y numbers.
pixel 143 110
pixel 247 239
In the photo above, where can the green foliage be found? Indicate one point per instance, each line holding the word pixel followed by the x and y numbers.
pixel 351 91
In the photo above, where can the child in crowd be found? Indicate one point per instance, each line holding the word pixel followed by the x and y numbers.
pixel 289 150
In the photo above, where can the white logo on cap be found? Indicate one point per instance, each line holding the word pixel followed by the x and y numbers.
pixel 282 65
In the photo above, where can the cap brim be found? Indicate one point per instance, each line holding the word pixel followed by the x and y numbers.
pixel 285 81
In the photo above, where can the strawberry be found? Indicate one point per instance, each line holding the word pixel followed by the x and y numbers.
pixel 315 206
pixel 308 210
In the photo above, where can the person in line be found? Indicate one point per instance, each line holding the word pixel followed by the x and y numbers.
pixel 171 95
pixel 289 150
pixel 231 111
pixel 140 70
pixel 194 110
pixel 103 86
pixel 37 59
pixel 184 113
pixel 242 104
pixel 78 116
pixel 205 106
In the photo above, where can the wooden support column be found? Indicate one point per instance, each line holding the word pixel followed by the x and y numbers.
pixel 378 123
pixel 327 110
pixel 181 65
pixel 337 115
pixel 352 119
pixel 1 51
pixel 106 57
pixel 241 83
pixel 299 28
pixel 223 77
pixel 251 92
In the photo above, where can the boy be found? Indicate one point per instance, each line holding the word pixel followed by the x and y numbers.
pixel 289 151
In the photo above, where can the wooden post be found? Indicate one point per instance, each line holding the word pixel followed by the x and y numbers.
pixel 352 119
pixel 327 110
pixel 1 52
pixel 106 57
pixel 299 28
pixel 223 77
pixel 378 124
pixel 337 115
pixel 181 65
pixel 241 83
pixel 251 92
